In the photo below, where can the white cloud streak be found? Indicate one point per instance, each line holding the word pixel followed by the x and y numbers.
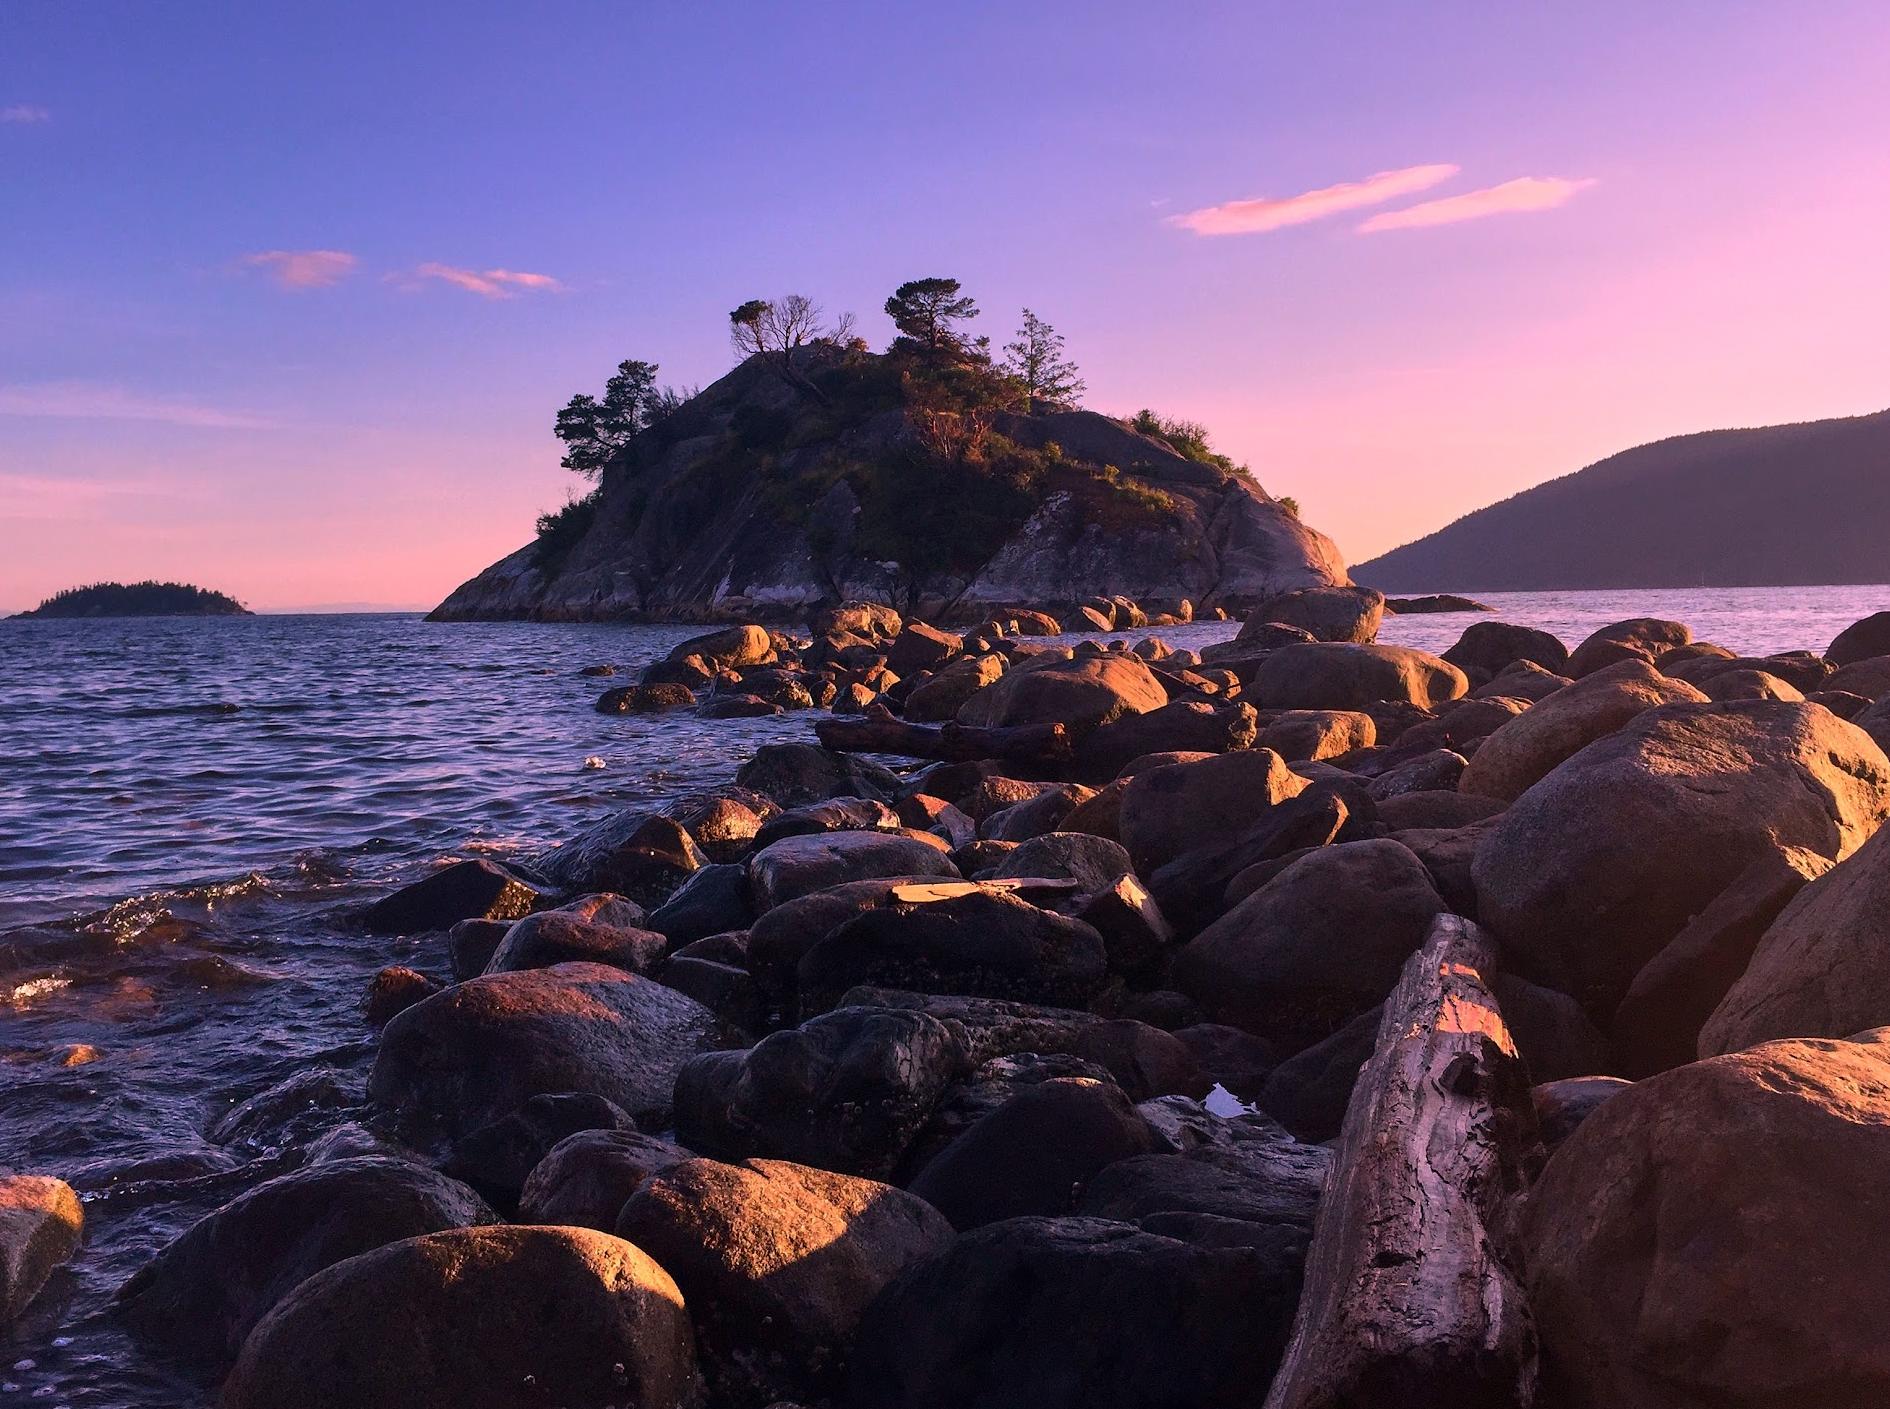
pixel 89 401
pixel 303 269
pixel 1259 214
pixel 1521 196
pixel 488 283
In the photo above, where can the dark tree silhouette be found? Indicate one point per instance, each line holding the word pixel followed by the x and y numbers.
pixel 925 310
pixel 1036 360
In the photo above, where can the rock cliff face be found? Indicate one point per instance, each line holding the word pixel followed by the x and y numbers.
pixel 760 499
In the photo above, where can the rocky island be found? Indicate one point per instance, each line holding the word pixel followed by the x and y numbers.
pixel 108 599
pixel 927 477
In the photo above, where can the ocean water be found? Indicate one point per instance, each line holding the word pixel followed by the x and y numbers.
pixel 190 809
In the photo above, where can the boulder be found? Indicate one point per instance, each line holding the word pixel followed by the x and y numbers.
pixel 1193 726
pixel 1554 1036
pixel 1094 863
pixel 1869 677
pixel 1236 1060
pixel 1525 680
pixel 777 1263
pixel 1491 647
pixel 1328 613
pixel 1427 809
pixel 1173 809
pixel 1642 638
pixel 1135 933
pixel 1861 640
pixel 1081 694
pixel 1819 969
pixel 1034 1153
pixel 206 1290
pixel 1439 770
pixel 466 890
pixel 646 699
pixel 941 696
pixel 394 989
pixel 1074 1313
pixel 1658 1022
pixel 845 1091
pixel 1308 1092
pixel 728 649
pixel 920 647
pixel 480 1049
pixel 585 1179
pixel 1561 1106
pixel 1040 814
pixel 1530 746
pixel 558 937
pixel 798 866
pixel 1250 1183
pixel 738 704
pixel 1748 685
pixel 1461 723
pixel 723 823
pixel 1697 1239
pixel 1192 888
pixel 980 945
pixel 637 853
pixel 470 945
pixel 779 938
pixel 1595 868
pixel 836 814
pixel 874 620
pixel 1301 734
pixel 792 775
pixel 1321 943
pixel 714 900
pixel 1332 675
pixel 41 1222
pixel 497 1157
pixel 475 1318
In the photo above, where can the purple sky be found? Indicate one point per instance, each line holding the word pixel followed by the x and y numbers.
pixel 289 296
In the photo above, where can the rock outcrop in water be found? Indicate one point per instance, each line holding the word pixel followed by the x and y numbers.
pixel 105 599
pixel 760 498
pixel 1771 506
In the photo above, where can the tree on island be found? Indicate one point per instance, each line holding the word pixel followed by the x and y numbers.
pixel 926 311
pixel 776 329
pixel 1036 360
pixel 594 431
pixel 148 598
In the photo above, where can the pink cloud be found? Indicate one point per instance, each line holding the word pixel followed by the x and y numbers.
pixel 1248 217
pixel 25 113
pixel 304 269
pixel 1526 193
pixel 489 283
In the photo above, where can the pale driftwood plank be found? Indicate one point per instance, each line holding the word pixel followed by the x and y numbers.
pixel 1406 1303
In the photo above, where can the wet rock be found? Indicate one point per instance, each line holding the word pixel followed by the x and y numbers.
pixel 846 1091
pixel 393 989
pixel 738 706
pixel 1170 810
pixel 392 1328
pixel 1333 675
pixel 838 814
pixel 1689 1243
pixel 1081 694
pixel 981 945
pixel 1040 814
pixel 558 937
pixel 1595 868
pixel 723 824
pixel 1529 747
pixel 645 699
pixel 585 1179
pixel 470 945
pixel 637 853
pixel 778 940
pixel 1071 1313
pixel 792 775
pixel 1034 1153
pixel 41 1221
pixel 467 1056
pixel 1643 638
pixel 729 648
pixel 1658 1022
pixel 466 890
pixel 207 1289
pixel 798 866
pixel 1563 1105
pixel 777 1263
pixel 1192 726
pixel 1819 968
pixel 713 900
pixel 282 1115
pixel 1300 734
pixel 496 1157
pixel 1320 944
pixel 1328 613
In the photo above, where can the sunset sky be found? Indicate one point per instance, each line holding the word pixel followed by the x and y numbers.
pixel 289 295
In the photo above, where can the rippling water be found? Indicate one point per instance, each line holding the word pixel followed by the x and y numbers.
pixel 189 808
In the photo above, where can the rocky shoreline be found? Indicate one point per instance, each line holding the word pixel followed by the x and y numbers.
pixel 1107 1024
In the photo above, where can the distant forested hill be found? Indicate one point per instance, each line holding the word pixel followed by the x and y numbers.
pixel 138 599
pixel 1776 506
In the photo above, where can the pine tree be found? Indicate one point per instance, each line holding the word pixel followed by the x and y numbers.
pixel 1036 359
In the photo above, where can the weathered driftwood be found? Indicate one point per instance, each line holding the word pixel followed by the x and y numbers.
pixel 1406 1303
pixel 954 743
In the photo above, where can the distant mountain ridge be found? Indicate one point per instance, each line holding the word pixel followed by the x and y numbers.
pixel 1775 506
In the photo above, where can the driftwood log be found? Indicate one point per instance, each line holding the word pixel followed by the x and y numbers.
pixel 953 743
pixel 1406 1302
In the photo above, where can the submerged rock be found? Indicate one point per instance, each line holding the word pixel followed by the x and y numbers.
pixel 41 1221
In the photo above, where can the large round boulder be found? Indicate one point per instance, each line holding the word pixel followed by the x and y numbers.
pixel 1594 869
pixel 1179 807
pixel 729 648
pixel 477 1051
pixel 1327 613
pixel 1524 750
pixel 209 1287
pixel 1707 1236
pixel 1643 638
pixel 1861 640
pixel 777 1263
pixel 797 866
pixel 1319 944
pixel 1490 647
pixel 1081 693
pixel 560 937
pixel 1334 675
pixel 1822 968
pixel 585 1179
pixel 478 1318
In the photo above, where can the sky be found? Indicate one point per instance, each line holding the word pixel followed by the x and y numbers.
pixel 289 295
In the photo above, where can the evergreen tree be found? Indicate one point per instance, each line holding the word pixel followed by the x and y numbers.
pixel 593 431
pixel 1036 360
pixel 926 309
